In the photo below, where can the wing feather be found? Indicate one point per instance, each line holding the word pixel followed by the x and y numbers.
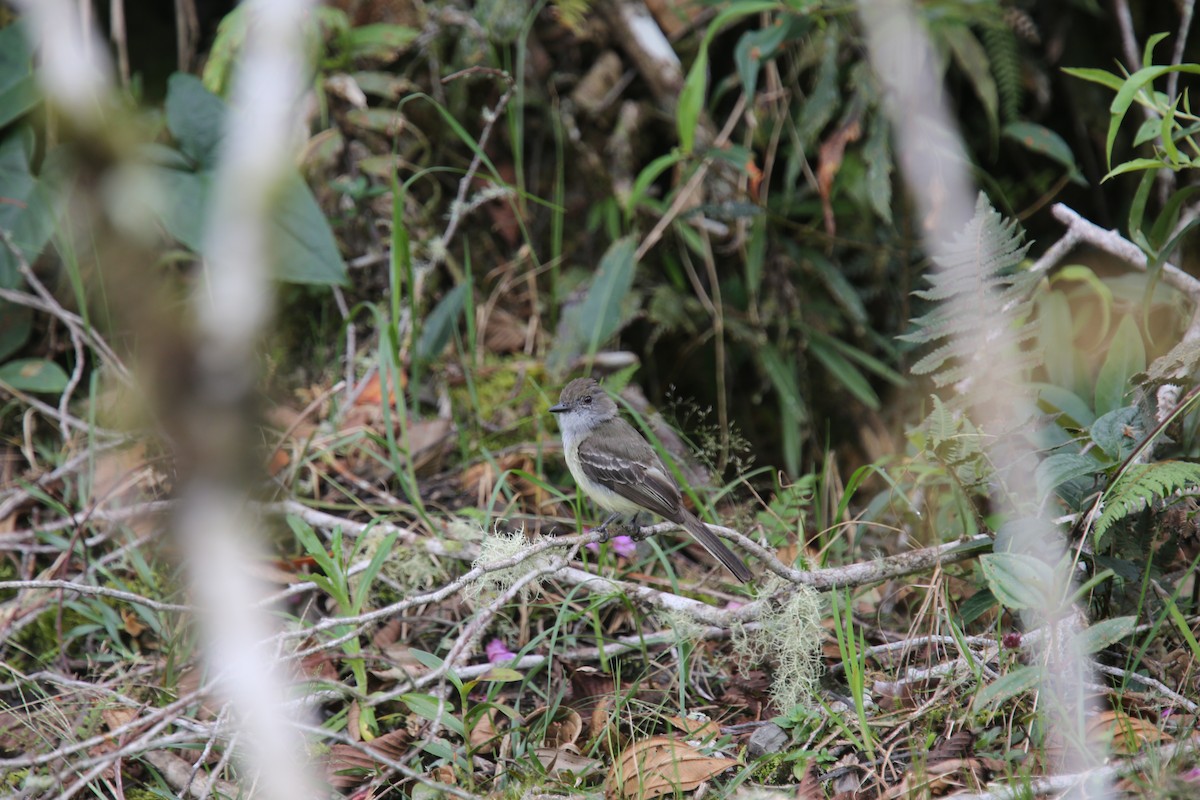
pixel 639 477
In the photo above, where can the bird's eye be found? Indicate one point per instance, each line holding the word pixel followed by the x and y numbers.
pixel 587 400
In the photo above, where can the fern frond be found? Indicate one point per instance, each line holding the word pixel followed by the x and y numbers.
pixel 1000 43
pixel 982 260
pixel 1141 485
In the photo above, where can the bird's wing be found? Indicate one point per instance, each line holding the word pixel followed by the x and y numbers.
pixel 634 471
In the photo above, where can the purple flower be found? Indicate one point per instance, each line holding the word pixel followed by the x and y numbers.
pixel 624 546
pixel 497 651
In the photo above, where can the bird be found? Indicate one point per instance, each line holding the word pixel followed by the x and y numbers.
pixel 621 472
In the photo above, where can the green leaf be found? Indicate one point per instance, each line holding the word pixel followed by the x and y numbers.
pixel 1018 580
pixel 1019 681
pixel 691 97
pixel 844 372
pixel 437 327
pixel 231 34
pixel 185 204
pixel 302 243
pixel 587 325
pixel 1126 358
pixel 976 606
pixel 18 86
pixel 1133 165
pixel 1064 400
pixel 691 102
pixel 427 707
pixel 1105 634
pixel 1111 432
pixel 974 61
pixel 34 375
pixel 29 210
pixel 1060 468
pixel 1100 76
pixel 196 118
pixel 16 322
pixel 1054 335
pixel 379 40
pixel 1129 92
pixel 647 177
pixel 877 152
pixel 1042 140
pixel 755 47
pixel 793 412
pixel 302 246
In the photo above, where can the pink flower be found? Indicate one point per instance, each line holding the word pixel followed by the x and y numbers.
pixel 497 651
pixel 624 546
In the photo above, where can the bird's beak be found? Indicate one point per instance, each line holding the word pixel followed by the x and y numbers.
pixel 558 408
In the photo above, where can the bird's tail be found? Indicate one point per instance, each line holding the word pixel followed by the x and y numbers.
pixel 714 545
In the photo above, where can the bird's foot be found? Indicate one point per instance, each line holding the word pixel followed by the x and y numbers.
pixel 603 529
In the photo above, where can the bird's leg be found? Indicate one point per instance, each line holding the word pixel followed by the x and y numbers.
pixel 635 530
pixel 603 529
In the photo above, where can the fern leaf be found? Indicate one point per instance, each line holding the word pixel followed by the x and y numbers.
pixel 1141 485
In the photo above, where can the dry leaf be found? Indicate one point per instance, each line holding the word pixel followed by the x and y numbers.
pixel 1126 735
pixel 661 765
pixel 486 732
pixel 347 766
pixel 132 624
pixel 830 161
pixel 564 729
pixel 696 728
pixel 557 760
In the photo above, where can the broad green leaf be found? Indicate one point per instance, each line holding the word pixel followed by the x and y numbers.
pixel 440 323
pixel 302 242
pixel 16 322
pixel 587 325
pixel 196 118
pixel 1023 679
pixel 1105 634
pixel 1126 358
pixel 30 208
pixel 185 204
pixel 1018 580
pixel 1040 139
pixel 600 315
pixel 755 47
pixel 1056 398
pixel 18 87
pixel 1060 468
pixel 34 375
pixel 1117 432
pixel 303 249
pixel 976 606
pixel 1054 337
